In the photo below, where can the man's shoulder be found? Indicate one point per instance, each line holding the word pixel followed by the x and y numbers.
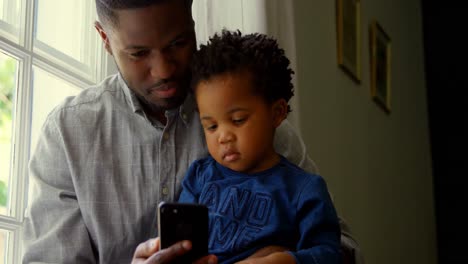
pixel 92 94
pixel 91 99
pixel 89 107
pixel 290 144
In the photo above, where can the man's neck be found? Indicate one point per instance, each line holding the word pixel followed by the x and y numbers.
pixel 155 114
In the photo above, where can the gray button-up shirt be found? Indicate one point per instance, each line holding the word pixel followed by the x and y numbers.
pixel 101 167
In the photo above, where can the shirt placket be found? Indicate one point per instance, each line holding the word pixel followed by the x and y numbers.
pixel 167 163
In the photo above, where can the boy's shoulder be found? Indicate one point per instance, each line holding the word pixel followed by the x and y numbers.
pixel 292 170
pixel 203 163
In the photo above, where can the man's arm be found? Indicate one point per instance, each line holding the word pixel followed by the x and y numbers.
pixel 54 231
pixel 349 246
pixel 289 144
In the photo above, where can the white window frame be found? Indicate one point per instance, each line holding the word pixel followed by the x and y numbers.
pixel 6 28
pixel 21 131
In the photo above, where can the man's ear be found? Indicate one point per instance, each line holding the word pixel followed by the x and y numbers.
pixel 280 111
pixel 104 36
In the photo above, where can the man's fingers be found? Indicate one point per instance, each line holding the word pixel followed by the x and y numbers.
pixel 168 254
pixel 210 259
pixel 146 249
pixel 148 252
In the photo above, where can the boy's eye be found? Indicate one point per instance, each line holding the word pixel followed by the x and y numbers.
pixel 239 121
pixel 211 127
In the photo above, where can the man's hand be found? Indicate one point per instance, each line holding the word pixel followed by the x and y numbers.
pixel 263 252
pixel 277 257
pixel 148 253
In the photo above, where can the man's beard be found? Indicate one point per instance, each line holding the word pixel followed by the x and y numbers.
pixel 166 104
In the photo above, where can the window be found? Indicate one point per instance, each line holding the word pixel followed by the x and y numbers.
pixel 48 50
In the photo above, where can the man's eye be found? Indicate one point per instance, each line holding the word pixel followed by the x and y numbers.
pixel 178 43
pixel 139 53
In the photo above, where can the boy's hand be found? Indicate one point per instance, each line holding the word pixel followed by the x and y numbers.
pixel 148 253
pixel 276 257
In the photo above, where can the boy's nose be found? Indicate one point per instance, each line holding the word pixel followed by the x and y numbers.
pixel 226 137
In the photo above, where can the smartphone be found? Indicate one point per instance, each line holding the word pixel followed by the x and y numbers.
pixel 184 221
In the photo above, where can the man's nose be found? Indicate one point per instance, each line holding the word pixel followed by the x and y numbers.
pixel 162 66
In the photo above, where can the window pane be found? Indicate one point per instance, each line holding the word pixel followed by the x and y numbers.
pixel 3 245
pixel 64 31
pixel 8 73
pixel 48 92
pixel 10 19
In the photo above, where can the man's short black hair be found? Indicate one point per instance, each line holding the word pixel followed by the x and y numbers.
pixel 257 53
pixel 105 8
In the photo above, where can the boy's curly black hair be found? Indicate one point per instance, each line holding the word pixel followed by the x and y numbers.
pixel 257 53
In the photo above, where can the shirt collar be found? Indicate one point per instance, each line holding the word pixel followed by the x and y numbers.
pixel 188 108
pixel 130 96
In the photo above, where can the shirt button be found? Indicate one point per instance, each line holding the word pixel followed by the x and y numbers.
pixel 166 136
pixel 184 117
pixel 165 191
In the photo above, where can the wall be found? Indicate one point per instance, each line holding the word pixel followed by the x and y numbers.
pixel 378 166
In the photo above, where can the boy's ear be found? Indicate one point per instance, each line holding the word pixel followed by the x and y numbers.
pixel 103 35
pixel 280 111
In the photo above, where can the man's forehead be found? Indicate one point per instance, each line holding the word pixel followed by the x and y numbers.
pixel 113 12
pixel 151 27
pixel 123 4
pixel 160 20
pixel 165 13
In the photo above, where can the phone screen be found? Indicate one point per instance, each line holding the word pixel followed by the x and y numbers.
pixel 181 221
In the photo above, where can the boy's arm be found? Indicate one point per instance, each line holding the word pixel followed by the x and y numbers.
pixel 318 226
pixel 319 240
pixel 319 230
pixel 191 185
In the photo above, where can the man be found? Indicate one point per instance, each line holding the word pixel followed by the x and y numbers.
pixel 108 156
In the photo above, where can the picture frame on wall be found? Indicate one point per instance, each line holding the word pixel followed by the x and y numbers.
pixel 380 55
pixel 348 21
